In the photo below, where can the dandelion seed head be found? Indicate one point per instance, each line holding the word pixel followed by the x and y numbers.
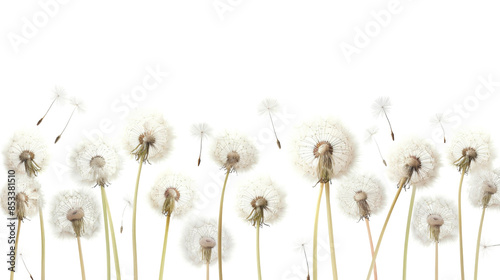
pixel 381 106
pixel 434 220
pixel 234 151
pixel 173 194
pixel 27 152
pixel 28 197
pixel 268 105
pixel 470 149
pixel 357 189
pixel 483 191
pixel 202 130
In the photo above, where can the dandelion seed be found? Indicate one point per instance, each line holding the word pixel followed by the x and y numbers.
pixel 440 120
pixel 270 106
pixel 128 204
pixel 25 266
pixel 380 107
pixel 78 106
pixel 371 132
pixel 59 94
pixel 27 153
pixel 202 131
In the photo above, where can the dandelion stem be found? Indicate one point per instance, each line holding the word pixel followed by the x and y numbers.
pixel 330 230
pixel 59 137
pixel 367 221
pixel 274 130
pixel 460 224
pixel 258 252
pixel 315 237
pixel 40 121
pixel 81 257
pixel 106 232
pixel 436 261
pixel 134 218
pixel 113 239
pixel 42 237
pixel 219 231
pixel 476 266
pixel 164 247
pixel 208 271
pixel 15 247
pixel 400 187
pixel 407 235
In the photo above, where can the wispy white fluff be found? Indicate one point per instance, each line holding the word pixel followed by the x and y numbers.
pixel 231 142
pixel 268 106
pixel 201 130
pixel 202 228
pixel 78 104
pixel 355 183
pixel 26 140
pixel 480 183
pixel 444 208
pixel 381 106
pixel 179 182
pixel 59 94
pixel 29 188
pixel 475 139
pixel 68 200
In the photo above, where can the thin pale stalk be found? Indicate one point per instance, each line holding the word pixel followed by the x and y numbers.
pixel 460 224
pixel 371 247
pixel 401 184
pixel 330 231
pixel 379 152
pixel 201 146
pixel 81 257
pixel 274 130
pixel 51 104
pixel 390 126
pixel 113 239
pixel 208 271
pixel 59 137
pixel 219 226
pixel 167 224
pixel 478 244
pixel 315 237
pixel 15 247
pixel 436 261
pixel 134 218
pixel 258 252
pixel 42 237
pixel 407 235
pixel 106 233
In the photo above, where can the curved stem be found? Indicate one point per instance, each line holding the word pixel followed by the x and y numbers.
pixel 478 244
pixel 460 224
pixel 15 248
pixel 258 252
pixel 134 218
pixel 315 238
pixel 401 184
pixel 106 233
pixel 390 126
pixel 436 261
pixel 330 231
pixel 113 239
pixel 407 235
pixel 164 247
pixel 42 237
pixel 371 247
pixel 81 257
pixel 219 231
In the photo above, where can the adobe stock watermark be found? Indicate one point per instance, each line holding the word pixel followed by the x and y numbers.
pixel 364 35
pixel 32 25
pixel 222 7
pixel 460 111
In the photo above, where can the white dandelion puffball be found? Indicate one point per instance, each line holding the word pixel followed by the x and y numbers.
pixel 173 194
pixel 483 191
pixel 361 195
pixel 76 207
pixel 268 106
pixel 234 151
pixel 323 137
pixel 202 234
pixel 148 132
pixel 416 159
pixel 96 162
pixel 27 152
pixel 474 144
pixel 260 199
pixel 434 219
pixel 27 195
pixel 201 130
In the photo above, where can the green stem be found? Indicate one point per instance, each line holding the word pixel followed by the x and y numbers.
pixel 330 231
pixel 82 267
pixel 315 237
pixel 460 224
pixel 42 236
pixel 407 235
pixel 478 244
pixel 16 244
pixel 258 253
pixel 113 239
pixel 401 184
pixel 164 247
pixel 134 218
pixel 106 232
pixel 219 231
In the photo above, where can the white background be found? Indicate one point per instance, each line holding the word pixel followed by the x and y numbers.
pixel 429 57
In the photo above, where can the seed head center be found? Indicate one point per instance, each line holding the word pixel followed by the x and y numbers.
pixel 322 148
pixel 97 162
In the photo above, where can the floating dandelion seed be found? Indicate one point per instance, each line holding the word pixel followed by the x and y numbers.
pixel 270 106
pixel 27 152
pixel 202 131
pixel 380 107
pixel 59 94
pixel 371 132
pixel 440 120
pixel 128 204
pixel 468 150
pixel 25 266
pixel 78 106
